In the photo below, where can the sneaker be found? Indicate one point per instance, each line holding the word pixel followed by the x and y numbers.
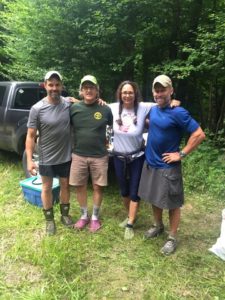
pixel 81 223
pixel 94 225
pixel 50 227
pixel 154 231
pixel 124 223
pixel 170 246
pixel 67 220
pixel 129 233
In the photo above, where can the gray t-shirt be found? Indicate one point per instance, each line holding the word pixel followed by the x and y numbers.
pixel 128 138
pixel 53 124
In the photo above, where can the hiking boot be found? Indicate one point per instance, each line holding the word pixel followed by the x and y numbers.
pixel 81 223
pixel 65 217
pixel 170 246
pixel 124 223
pixel 50 227
pixel 154 231
pixel 94 225
pixel 67 220
pixel 129 233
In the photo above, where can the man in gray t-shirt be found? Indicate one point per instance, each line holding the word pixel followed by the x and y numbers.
pixel 51 118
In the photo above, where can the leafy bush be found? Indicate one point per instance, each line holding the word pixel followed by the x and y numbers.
pixel 204 169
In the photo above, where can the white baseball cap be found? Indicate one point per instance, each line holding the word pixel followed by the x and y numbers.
pixel 51 73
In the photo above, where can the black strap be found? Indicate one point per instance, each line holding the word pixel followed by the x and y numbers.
pixel 125 155
pixel 36 183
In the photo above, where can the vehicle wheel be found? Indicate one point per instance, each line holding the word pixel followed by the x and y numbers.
pixel 24 163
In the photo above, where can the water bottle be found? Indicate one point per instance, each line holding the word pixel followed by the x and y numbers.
pixel 219 247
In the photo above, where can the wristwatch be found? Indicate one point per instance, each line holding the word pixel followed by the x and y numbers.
pixel 182 154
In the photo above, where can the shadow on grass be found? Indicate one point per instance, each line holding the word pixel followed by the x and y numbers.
pixel 9 157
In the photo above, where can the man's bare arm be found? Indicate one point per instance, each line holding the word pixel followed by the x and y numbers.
pixel 30 145
pixel 194 140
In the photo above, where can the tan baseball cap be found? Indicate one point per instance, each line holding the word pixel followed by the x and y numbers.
pixel 164 80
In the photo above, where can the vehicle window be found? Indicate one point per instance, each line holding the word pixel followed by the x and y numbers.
pixel 2 94
pixel 42 94
pixel 26 97
pixel 65 93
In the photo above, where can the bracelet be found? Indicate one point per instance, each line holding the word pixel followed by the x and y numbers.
pixel 182 154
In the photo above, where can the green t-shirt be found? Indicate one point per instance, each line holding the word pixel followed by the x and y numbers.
pixel 89 128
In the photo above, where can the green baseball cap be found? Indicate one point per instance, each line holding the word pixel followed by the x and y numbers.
pixel 89 78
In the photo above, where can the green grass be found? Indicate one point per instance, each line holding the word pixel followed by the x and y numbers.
pixel 79 265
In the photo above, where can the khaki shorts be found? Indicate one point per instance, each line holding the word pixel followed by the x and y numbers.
pixel 83 166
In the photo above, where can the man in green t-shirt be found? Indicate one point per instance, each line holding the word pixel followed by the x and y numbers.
pixel 90 156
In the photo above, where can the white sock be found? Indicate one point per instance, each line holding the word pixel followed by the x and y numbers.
pixel 95 214
pixel 84 212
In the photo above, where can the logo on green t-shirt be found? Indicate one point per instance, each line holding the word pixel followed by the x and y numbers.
pixel 98 115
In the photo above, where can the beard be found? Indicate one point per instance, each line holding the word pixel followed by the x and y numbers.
pixel 164 101
pixel 55 95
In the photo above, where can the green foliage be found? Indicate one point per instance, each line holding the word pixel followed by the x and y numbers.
pixel 204 169
pixel 200 61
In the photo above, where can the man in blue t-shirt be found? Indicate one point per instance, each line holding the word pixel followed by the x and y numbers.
pixel 161 181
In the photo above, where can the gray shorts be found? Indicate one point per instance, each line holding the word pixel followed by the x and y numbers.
pixel 162 187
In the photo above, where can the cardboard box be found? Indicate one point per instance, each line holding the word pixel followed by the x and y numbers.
pixel 32 188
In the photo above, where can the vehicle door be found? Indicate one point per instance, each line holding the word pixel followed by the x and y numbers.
pixel 24 97
pixel 4 92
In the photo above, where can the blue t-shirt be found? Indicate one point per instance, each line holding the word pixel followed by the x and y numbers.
pixel 166 128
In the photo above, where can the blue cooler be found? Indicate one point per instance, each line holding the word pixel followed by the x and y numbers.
pixel 32 190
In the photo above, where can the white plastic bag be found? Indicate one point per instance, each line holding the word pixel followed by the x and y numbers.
pixel 219 247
